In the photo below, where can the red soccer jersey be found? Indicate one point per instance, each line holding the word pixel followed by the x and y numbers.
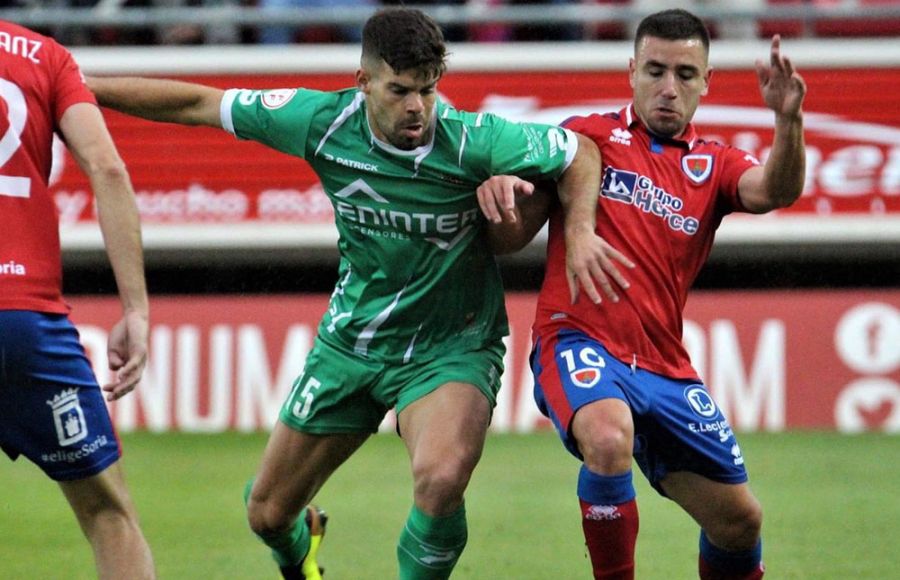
pixel 660 203
pixel 39 80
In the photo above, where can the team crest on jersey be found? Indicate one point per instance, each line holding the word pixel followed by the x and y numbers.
pixel 277 98
pixel 697 167
pixel 68 417
pixel 585 378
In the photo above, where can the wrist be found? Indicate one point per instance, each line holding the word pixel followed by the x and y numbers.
pixel 578 227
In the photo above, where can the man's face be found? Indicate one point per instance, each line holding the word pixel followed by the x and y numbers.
pixel 668 78
pixel 400 105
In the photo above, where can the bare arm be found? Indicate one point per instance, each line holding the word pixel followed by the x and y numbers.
pixel 89 141
pixel 588 257
pixel 524 220
pixel 780 181
pixel 516 212
pixel 160 99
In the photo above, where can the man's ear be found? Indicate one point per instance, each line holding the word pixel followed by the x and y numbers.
pixel 706 79
pixel 362 80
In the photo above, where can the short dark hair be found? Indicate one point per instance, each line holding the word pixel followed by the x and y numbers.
pixel 675 24
pixel 406 39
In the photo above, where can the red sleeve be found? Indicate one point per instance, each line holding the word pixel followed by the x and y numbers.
pixel 592 126
pixel 70 88
pixel 734 163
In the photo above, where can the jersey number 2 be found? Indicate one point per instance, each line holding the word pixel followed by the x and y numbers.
pixel 17 114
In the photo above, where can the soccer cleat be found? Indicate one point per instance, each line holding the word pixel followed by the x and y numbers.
pixel 309 569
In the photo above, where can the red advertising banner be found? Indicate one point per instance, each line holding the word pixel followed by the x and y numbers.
pixel 205 177
pixel 773 360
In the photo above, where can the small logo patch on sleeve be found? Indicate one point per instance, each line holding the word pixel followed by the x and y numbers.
pixel 277 98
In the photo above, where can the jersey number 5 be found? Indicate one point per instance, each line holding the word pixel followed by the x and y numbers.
pixel 16 115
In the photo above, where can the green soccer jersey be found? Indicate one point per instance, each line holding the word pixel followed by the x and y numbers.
pixel 416 277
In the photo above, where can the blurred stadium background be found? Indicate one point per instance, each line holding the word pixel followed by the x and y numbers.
pixel 795 323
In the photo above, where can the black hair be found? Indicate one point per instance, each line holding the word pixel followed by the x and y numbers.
pixel 675 24
pixel 406 39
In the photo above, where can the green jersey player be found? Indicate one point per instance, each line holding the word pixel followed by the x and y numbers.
pixel 416 320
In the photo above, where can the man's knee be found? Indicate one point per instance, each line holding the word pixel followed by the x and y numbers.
pixel 605 434
pixel 441 482
pixel 266 517
pixel 738 528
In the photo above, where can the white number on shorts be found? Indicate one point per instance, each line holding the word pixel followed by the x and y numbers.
pixel 301 408
pixel 16 116
pixel 586 355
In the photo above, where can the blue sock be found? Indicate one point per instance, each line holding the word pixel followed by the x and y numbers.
pixel 605 489
pixel 727 561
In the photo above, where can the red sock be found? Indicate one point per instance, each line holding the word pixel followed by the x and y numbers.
pixel 610 532
pixel 707 572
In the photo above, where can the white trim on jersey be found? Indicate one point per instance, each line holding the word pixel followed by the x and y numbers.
pixel 225 110
pixel 462 144
pixel 570 150
pixel 345 114
pixel 368 333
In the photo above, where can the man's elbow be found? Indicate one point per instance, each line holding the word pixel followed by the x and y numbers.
pixel 108 167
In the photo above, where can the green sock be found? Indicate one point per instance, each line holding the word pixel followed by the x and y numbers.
pixel 429 547
pixel 289 547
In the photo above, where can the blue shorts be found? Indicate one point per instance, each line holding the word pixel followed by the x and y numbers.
pixel 51 408
pixel 677 424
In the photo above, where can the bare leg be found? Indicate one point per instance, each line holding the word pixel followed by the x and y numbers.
pixel 109 521
pixel 294 467
pixel 604 431
pixel 730 518
pixel 444 434
pixel 729 513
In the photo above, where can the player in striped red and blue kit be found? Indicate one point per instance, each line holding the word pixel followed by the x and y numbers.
pixel 613 375
pixel 51 407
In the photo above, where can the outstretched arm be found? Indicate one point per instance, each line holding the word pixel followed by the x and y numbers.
pixel 160 99
pixel 89 141
pixel 589 258
pixel 779 182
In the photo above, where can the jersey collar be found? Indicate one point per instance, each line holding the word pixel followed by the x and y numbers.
pixel 688 138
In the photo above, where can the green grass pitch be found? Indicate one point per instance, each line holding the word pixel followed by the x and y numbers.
pixel 832 511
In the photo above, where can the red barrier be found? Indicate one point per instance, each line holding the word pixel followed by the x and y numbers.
pixel 199 177
pixel 774 360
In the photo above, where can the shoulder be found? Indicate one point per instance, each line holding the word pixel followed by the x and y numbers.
pixel 453 117
pixel 727 153
pixel 596 124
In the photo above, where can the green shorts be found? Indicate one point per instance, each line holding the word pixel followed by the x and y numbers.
pixel 340 392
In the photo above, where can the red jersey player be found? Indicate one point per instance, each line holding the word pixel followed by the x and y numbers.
pixel 613 375
pixel 52 410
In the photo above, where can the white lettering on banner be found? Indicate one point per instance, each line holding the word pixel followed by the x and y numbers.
pixel 154 394
pixel 291 204
pixel 890 175
pixel 851 171
pixel 71 205
pixel 259 398
pixel 753 402
pixel 694 340
pixel 867 404
pixel 502 418
pixel 867 338
pixel 194 202
pixel 515 410
pixel 187 403
pixel 765 389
